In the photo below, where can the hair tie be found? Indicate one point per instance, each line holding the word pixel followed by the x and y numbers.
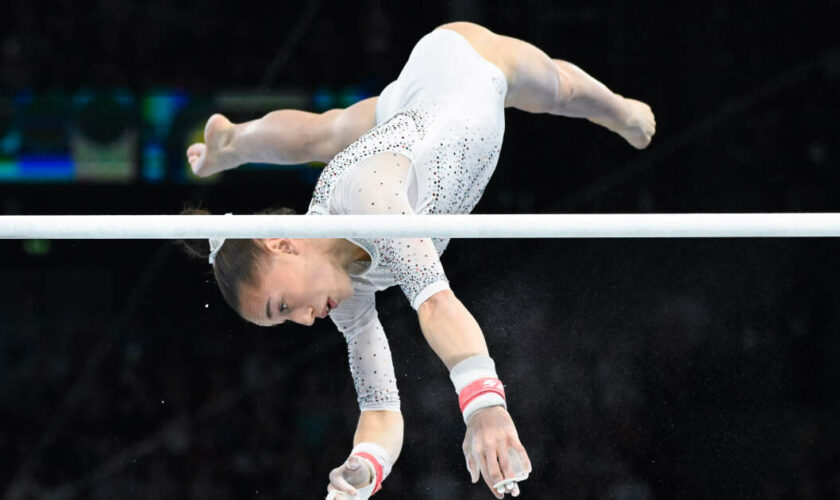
pixel 215 246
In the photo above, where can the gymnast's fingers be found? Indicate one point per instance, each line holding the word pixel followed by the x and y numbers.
pixel 338 482
pixel 490 470
pixel 332 493
pixel 507 467
pixel 526 460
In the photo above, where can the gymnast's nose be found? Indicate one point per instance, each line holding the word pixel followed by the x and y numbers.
pixel 305 317
pixel 310 317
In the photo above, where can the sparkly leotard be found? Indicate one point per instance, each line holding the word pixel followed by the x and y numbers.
pixel 434 148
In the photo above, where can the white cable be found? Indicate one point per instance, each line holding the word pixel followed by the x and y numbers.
pixel 769 225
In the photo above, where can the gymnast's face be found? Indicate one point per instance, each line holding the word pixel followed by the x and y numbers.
pixel 300 282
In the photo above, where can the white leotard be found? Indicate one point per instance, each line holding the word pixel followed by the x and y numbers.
pixel 434 148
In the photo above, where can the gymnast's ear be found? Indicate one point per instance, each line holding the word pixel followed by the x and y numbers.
pixel 280 245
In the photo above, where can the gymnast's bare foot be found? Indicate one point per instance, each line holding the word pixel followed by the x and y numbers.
pixel 216 153
pixel 637 127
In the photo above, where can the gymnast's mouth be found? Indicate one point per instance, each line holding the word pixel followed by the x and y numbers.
pixel 329 306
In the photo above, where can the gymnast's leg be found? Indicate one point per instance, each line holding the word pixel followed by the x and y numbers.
pixel 536 84
pixel 286 136
pixel 539 84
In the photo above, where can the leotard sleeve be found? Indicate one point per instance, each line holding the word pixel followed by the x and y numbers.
pixel 381 185
pixel 368 352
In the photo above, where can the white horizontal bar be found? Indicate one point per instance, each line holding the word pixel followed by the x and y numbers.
pixel 102 227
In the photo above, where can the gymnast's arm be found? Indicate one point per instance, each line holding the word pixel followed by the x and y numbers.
pixel 454 335
pixel 384 427
pixel 380 427
pixel 283 137
pixel 371 364
pixel 379 184
pixel 449 328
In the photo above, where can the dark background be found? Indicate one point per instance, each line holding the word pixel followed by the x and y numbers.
pixel 635 369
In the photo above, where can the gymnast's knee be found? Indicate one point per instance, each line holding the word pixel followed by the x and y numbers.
pixel 565 91
pixel 459 25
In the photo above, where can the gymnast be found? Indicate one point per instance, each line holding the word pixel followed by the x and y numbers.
pixel 428 144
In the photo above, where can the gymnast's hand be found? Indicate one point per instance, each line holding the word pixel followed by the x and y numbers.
pixel 352 474
pixel 491 446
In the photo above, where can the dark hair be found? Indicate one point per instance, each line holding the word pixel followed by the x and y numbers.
pixel 237 263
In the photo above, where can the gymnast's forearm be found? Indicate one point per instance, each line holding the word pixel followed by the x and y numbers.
pixel 382 427
pixel 449 328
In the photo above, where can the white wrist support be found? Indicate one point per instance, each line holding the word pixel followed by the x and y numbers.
pixel 471 370
pixel 379 461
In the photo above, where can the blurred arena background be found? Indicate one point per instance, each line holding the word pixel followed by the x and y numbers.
pixel 635 370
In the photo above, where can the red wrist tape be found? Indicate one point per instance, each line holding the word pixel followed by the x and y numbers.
pixel 479 387
pixel 377 467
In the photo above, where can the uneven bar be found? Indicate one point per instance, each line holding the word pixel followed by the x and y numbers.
pixel 697 225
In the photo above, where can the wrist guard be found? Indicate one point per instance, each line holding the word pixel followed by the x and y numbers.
pixel 477 385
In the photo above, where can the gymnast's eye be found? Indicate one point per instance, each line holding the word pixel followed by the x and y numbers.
pixel 283 307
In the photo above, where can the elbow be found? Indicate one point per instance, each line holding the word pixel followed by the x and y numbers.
pixel 435 302
pixel 384 418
